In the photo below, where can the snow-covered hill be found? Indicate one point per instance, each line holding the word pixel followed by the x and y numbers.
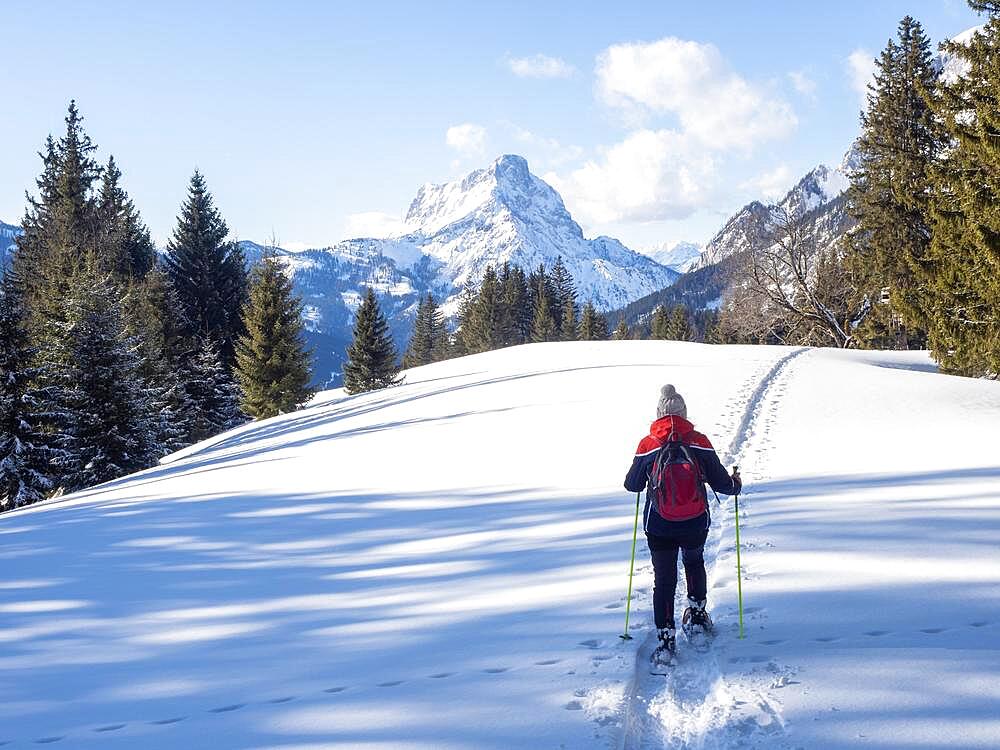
pixel 680 256
pixel 438 566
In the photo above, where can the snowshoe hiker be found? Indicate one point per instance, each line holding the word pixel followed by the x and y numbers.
pixel 672 463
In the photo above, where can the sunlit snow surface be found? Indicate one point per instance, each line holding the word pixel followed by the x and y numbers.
pixel 443 565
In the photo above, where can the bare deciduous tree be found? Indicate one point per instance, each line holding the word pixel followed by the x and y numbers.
pixel 794 289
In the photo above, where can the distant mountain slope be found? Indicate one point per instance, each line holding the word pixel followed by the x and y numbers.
pixel 680 256
pixel 498 214
pixel 8 235
pixel 818 198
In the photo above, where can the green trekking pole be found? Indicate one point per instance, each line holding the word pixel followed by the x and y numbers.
pixel 631 567
pixel 739 568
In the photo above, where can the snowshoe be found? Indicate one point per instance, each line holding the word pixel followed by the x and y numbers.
pixel 665 654
pixel 697 625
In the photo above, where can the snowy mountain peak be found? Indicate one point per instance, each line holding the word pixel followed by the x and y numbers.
pixel 679 256
pixel 506 185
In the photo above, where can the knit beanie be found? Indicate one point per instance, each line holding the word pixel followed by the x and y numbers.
pixel 671 402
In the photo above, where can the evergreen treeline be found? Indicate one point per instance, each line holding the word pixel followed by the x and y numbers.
pixel 110 356
pixel 921 265
pixel 926 254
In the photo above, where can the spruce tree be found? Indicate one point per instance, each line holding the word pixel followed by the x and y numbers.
pixel 563 292
pixel 543 322
pixel 26 452
pixel 621 331
pixel 213 397
pixel 568 323
pixel 964 304
pixel 429 342
pixel 660 324
pixel 371 358
pixel 110 430
pixel 207 272
pixel 466 303
pixel 483 330
pixel 593 325
pixel 900 139
pixel 60 224
pixel 515 307
pixel 154 320
pixel 678 325
pixel 272 364
pixel 124 245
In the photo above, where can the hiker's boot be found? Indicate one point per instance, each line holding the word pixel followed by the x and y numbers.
pixel 666 647
pixel 696 619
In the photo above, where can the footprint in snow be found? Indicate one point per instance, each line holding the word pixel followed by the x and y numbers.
pixel 172 720
pixel 932 631
pixel 391 683
pixel 827 639
pixel 110 728
pixel 441 675
pixel 876 633
pixel 496 670
pixel 592 643
pixel 979 624
pixel 613 605
pixel 47 740
pixel 547 662
pixel 574 706
pixel 773 642
pixel 283 699
pixel 338 689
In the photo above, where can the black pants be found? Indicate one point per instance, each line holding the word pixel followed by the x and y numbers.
pixel 663 550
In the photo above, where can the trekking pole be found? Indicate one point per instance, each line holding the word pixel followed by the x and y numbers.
pixel 739 567
pixel 631 567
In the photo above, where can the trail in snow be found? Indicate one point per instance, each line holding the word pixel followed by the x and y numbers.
pixel 694 706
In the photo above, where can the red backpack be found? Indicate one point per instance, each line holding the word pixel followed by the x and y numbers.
pixel 676 484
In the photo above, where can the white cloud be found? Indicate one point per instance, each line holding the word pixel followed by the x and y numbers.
pixel 540 66
pixel 652 174
pixel 802 83
pixel 467 139
pixel 692 82
pixel 861 71
pixel 669 169
pixel 372 224
pixel 771 185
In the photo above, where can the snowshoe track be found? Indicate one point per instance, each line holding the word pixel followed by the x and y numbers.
pixel 693 706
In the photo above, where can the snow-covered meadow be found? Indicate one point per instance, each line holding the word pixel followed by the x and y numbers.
pixel 443 565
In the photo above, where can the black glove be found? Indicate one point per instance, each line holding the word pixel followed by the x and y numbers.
pixel 737 481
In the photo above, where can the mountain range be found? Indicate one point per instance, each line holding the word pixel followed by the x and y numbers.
pixel 452 231
pixel 818 198
pixel 680 256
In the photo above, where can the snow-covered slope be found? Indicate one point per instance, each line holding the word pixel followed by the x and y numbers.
pixel 818 192
pixel 439 566
pixel 8 234
pixel 680 256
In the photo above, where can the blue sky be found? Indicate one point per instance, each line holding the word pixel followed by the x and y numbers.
pixel 319 120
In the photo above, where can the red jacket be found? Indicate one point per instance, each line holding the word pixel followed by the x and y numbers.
pixel 711 469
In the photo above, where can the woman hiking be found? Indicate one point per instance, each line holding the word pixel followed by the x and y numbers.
pixel 674 461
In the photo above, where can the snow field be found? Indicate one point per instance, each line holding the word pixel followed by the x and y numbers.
pixel 452 553
pixel 443 565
